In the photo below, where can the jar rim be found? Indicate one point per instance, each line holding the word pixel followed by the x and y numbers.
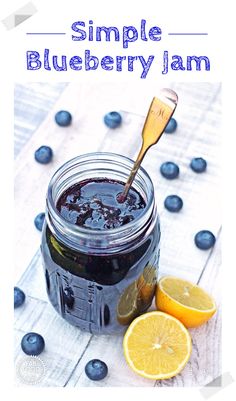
pixel 99 157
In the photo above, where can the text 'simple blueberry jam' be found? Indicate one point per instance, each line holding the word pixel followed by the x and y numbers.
pixel 100 256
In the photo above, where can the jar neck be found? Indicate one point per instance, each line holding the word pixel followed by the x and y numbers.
pixel 91 166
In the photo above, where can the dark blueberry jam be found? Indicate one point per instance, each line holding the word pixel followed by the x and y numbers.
pixel 101 291
pixel 94 204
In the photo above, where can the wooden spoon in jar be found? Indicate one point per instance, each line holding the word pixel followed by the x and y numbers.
pixel 159 114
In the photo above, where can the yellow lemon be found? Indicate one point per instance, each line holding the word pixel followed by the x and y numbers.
pixel 186 301
pixel 157 346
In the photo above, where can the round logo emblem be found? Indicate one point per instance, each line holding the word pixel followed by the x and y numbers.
pixel 30 370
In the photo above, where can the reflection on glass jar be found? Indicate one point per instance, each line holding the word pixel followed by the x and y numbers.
pixel 147 284
pixel 138 296
pixel 97 280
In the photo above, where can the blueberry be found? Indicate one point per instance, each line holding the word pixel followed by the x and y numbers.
pixel 171 126
pixel 169 170
pixel 173 203
pixel 198 164
pixel 32 344
pixel 112 119
pixel 63 118
pixel 96 369
pixel 39 220
pixel 204 239
pixel 43 154
pixel 19 297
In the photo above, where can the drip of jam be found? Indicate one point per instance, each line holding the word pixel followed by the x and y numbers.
pixel 94 204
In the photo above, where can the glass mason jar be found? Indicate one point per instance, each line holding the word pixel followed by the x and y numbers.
pixel 97 280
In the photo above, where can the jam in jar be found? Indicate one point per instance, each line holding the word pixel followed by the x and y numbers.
pixel 100 255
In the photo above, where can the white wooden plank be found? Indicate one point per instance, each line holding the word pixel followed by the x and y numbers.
pixel 32 104
pixel 32 281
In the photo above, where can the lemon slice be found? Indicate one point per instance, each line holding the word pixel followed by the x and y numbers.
pixel 186 301
pixel 157 346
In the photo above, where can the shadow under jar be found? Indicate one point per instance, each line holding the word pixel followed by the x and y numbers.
pixel 99 279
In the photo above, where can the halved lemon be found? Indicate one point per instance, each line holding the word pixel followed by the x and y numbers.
pixel 157 346
pixel 186 301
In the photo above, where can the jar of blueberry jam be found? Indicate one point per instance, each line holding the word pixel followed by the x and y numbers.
pixel 100 255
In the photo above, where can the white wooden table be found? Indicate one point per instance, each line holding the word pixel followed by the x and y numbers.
pixel 198 115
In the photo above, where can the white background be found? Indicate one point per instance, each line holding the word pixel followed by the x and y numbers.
pixel 214 17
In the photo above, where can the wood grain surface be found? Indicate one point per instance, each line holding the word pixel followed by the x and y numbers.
pixel 198 134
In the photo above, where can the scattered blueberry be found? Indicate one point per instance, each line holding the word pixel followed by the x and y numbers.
pixel 39 220
pixel 32 344
pixel 112 119
pixel 198 164
pixel 169 170
pixel 171 126
pixel 63 118
pixel 43 154
pixel 19 297
pixel 204 239
pixel 173 203
pixel 96 369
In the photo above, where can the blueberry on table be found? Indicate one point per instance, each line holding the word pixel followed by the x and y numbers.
pixel 173 203
pixel 63 118
pixel 204 239
pixel 112 119
pixel 169 170
pixel 32 344
pixel 43 154
pixel 39 220
pixel 198 164
pixel 171 126
pixel 96 369
pixel 19 297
